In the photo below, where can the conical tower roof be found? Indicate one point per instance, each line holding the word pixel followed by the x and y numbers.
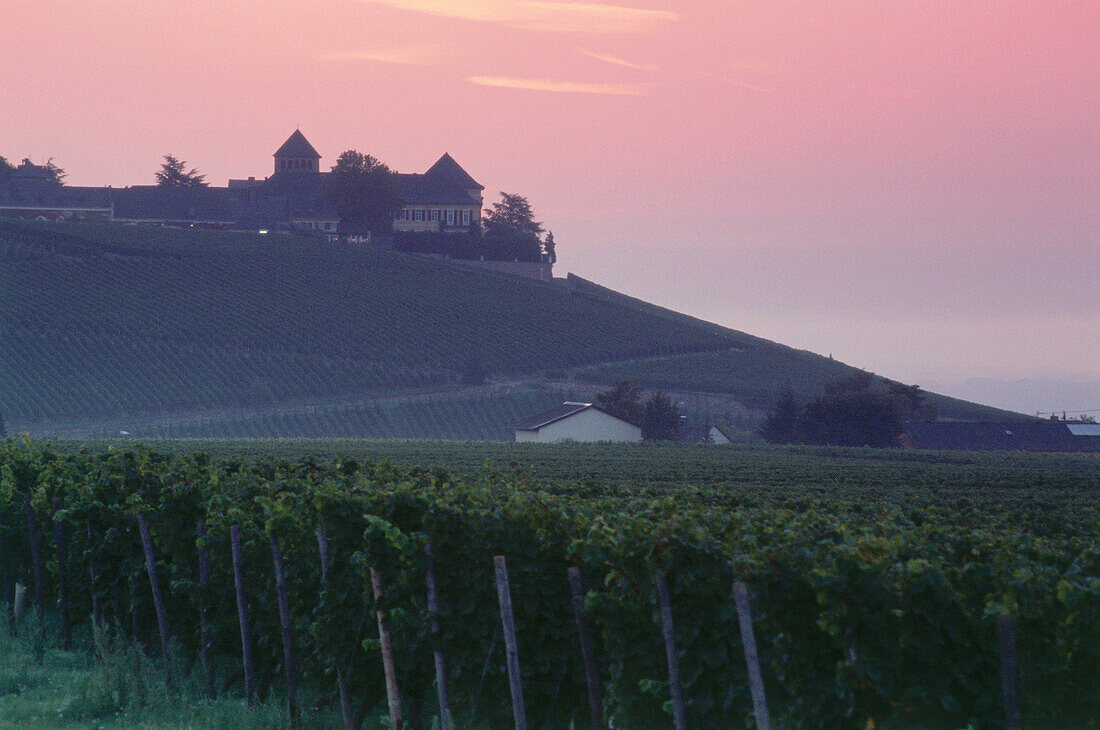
pixel 297 146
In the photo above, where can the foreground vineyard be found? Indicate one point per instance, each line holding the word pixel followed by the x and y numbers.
pixel 873 607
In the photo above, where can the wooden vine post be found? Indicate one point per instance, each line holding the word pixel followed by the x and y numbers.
pixel 752 657
pixel 388 664
pixel 592 679
pixel 290 660
pixel 511 649
pixel 242 616
pixel 668 632
pixel 347 713
pixel 62 582
pixel 446 720
pixel 1006 637
pixel 204 619
pixel 158 600
pixel 93 577
pixel 36 563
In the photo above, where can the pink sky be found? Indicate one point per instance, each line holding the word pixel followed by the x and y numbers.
pixel 911 186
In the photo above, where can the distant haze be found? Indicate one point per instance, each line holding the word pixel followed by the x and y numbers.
pixel 911 186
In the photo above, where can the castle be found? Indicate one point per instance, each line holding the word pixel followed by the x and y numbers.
pixel 292 199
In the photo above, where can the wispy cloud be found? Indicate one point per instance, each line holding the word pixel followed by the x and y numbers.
pixel 405 55
pixel 608 58
pixel 736 82
pixel 545 15
pixel 562 87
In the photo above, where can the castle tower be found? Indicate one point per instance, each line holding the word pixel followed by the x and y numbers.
pixel 297 155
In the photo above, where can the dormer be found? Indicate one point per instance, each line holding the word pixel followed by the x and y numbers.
pixel 297 155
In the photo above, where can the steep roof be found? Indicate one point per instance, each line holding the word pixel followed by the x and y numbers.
pixel 446 172
pixel 297 146
pixel 1004 436
pixel 559 413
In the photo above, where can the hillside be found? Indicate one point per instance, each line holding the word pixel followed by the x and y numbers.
pixel 107 325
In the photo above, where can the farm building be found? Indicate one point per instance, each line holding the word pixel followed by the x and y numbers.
pixel 576 422
pixel 718 435
pixel 1049 436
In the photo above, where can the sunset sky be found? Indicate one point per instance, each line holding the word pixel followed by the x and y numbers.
pixel 913 187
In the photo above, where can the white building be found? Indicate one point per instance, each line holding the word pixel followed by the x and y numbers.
pixel 576 422
pixel 718 436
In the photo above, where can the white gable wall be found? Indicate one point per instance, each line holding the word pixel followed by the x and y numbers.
pixel 716 436
pixel 588 425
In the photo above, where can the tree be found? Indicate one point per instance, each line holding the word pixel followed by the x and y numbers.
pixel 513 213
pixel 852 411
pixel 661 420
pixel 548 247
pixel 173 174
pixel 851 418
pixel 911 403
pixel 3 428
pixel 510 229
pixel 780 426
pixel 6 169
pixel 57 175
pixel 623 401
pixel 365 191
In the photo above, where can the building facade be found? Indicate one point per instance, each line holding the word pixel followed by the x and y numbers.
pixel 576 422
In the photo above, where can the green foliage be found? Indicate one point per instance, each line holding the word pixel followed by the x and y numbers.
pixel 174 173
pixel 853 411
pixel 871 611
pixel 511 231
pixel 661 420
pixel 658 416
pixel 365 191
pixel 780 426
pixel 623 401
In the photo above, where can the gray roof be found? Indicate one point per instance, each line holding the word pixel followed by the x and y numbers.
pixel 445 183
pixel 447 172
pixel 297 146
pixel 1004 436
pixel 558 413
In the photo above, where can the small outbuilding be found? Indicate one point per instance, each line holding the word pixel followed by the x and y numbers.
pixel 576 422
pixel 718 435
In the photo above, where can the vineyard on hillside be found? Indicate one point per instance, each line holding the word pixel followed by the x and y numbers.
pixel 109 320
pixel 884 611
pixel 106 322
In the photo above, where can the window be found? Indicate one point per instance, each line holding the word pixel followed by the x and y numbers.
pixel 433 215
pixel 418 214
pixel 465 217
pixel 450 217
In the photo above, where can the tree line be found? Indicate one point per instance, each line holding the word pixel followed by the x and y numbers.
pixel 853 411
